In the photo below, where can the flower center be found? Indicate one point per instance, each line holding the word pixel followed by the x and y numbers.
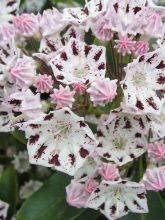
pixel 139 79
pixel 62 131
pixel 119 143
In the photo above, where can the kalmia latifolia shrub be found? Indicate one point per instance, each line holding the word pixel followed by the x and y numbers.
pixel 86 86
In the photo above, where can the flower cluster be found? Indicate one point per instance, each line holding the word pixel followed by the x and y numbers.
pixel 87 88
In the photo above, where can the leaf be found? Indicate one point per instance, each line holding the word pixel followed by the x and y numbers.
pixel 49 203
pixel 20 136
pixel 9 189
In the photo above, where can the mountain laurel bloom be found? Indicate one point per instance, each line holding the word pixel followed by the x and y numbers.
pixel 125 45
pixel 43 83
pixel 141 47
pixel 63 97
pixel 102 91
pixel 109 172
pixel 156 150
pixel 154 179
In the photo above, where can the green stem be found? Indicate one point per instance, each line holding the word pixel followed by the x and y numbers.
pixel 161 201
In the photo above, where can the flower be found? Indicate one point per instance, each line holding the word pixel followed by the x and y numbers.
pixel 102 91
pixel 154 179
pixel 79 88
pixel 21 162
pixel 91 185
pixel 51 22
pixel 141 47
pixel 109 172
pixel 3 209
pixel 116 199
pixel 79 62
pixel 26 25
pixel 76 195
pixel 127 140
pixel 63 97
pixel 43 83
pixel 23 72
pixel 125 45
pixel 7 32
pixel 143 85
pixel 29 188
pixel 59 139
pixel 156 150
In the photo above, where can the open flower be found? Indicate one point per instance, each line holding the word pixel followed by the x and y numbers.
pixel 144 83
pixel 79 62
pixel 102 91
pixel 21 162
pixel 116 199
pixel 59 139
pixel 123 138
pixel 154 179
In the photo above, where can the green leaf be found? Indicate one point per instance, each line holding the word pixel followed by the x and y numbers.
pixel 49 203
pixel 20 136
pixel 9 189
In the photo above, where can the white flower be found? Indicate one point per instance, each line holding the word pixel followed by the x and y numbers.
pixel 122 137
pixel 144 83
pixel 29 188
pixel 116 199
pixel 59 139
pixel 3 210
pixel 79 62
pixel 21 162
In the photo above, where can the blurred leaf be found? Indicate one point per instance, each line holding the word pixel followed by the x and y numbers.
pixel 20 136
pixel 49 203
pixel 9 189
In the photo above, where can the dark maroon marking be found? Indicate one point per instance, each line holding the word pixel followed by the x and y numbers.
pixel 116 7
pixel 151 58
pixel 97 190
pixel 51 45
pixel 98 55
pixel 107 127
pixel 34 126
pixel 138 135
pixel 64 56
pixel 33 139
pixel 85 10
pixel 82 124
pixel 127 125
pixel 100 145
pixel 160 93
pixel 14 102
pixel 67 112
pixel 74 48
pixel 72 158
pixel 117 123
pixel 87 49
pixel 123 181
pixel 10 3
pixel 3 113
pixel 99 133
pixel 2 208
pixel 48 117
pixel 151 102
pixel 161 65
pixel 83 152
pixel 139 105
pixel 141 123
pixel 126 208
pixel 72 33
pixel 139 146
pixel 102 206
pixel 124 86
pixel 141 196
pixel 161 80
pixel 58 66
pixel 101 66
pixel 113 209
pixel 40 151
pixel 136 9
pixel 121 159
pixel 60 77
pixel 107 155
pixel 141 59
pixel 54 160
pixel 138 206
pixel 132 156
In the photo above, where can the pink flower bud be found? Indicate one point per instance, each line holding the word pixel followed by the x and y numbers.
pixel 141 48
pixel 125 45
pixel 79 87
pixel 91 185
pixel 43 83
pixel 63 97
pixel 109 172
pixel 156 150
